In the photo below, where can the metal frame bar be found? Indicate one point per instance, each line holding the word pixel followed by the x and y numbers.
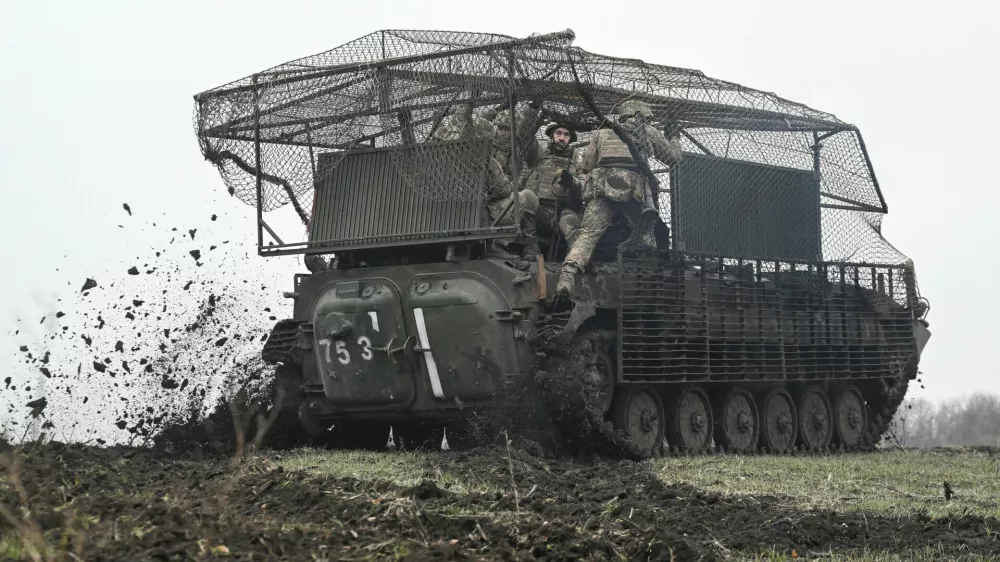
pixel 818 178
pixel 348 244
pixel 695 142
pixel 855 264
pixel 829 134
pixel 259 178
pixel 859 205
pixel 320 122
pixel 341 146
pixel 271 232
pixel 515 176
pixel 321 72
pixel 842 207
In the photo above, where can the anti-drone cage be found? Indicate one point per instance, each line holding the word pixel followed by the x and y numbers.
pixel 762 178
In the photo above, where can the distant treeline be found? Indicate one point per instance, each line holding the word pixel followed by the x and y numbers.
pixel 972 421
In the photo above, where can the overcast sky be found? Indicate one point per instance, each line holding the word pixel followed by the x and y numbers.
pixel 98 110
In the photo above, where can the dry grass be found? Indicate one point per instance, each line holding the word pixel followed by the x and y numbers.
pixel 402 468
pixel 892 483
pixel 929 553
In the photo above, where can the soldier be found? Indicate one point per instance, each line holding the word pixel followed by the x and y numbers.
pixel 616 184
pixel 499 184
pixel 550 176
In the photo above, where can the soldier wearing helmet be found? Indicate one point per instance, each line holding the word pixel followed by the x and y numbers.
pixel 615 184
pixel 550 169
pixel 499 184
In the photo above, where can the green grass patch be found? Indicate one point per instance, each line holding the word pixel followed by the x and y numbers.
pixel 401 468
pixel 891 483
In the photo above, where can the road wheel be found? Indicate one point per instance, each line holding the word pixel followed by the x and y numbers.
pixel 736 421
pixel 689 420
pixel 850 419
pixel 815 418
pixel 637 412
pixel 778 426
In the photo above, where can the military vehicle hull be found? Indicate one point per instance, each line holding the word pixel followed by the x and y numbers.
pixel 774 356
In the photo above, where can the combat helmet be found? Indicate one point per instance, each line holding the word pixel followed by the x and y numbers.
pixel 632 107
pixel 555 125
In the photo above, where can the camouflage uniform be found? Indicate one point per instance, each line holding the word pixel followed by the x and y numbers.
pixel 499 187
pixel 551 176
pixel 615 184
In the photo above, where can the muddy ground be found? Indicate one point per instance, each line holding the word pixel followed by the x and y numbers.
pixel 140 504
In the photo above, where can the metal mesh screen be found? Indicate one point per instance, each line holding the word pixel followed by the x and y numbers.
pixel 711 319
pixel 388 211
pixel 728 207
pixel 405 88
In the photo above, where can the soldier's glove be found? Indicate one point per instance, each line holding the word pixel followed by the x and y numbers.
pixel 564 178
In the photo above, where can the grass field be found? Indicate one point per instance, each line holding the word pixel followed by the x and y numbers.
pixel 896 483
pixel 892 485
pixel 500 504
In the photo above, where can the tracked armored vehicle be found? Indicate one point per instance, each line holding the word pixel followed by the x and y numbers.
pixel 771 316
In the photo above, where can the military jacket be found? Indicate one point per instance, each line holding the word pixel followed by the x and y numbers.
pixel 607 150
pixel 542 171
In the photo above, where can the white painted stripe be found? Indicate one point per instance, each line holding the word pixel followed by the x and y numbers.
pixel 374 316
pixel 432 370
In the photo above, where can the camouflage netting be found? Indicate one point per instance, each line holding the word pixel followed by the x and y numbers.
pixel 404 88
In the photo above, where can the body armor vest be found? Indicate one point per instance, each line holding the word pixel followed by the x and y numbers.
pixel 539 179
pixel 615 153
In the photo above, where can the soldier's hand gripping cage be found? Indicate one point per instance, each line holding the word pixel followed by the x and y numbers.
pixel 761 178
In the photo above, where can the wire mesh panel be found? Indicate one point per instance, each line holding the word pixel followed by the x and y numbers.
pixel 723 319
pixel 735 208
pixel 364 199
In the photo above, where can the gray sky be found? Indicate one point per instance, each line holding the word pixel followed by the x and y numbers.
pixel 98 98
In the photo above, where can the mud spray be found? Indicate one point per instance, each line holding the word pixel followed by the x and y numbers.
pixel 151 345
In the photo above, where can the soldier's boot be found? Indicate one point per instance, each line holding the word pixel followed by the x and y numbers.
pixel 315 263
pixel 496 250
pixel 643 237
pixel 646 226
pixel 525 245
pixel 567 280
